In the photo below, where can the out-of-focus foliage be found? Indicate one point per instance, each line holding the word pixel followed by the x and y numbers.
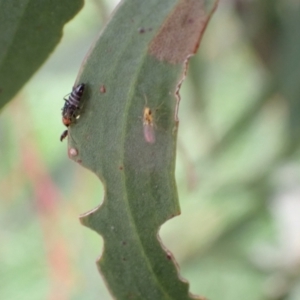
pixel 30 30
pixel 238 170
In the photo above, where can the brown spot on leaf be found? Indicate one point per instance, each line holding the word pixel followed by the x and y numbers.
pixel 141 30
pixel 121 168
pixel 180 34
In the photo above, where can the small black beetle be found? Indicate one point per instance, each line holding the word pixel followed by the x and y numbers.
pixel 71 109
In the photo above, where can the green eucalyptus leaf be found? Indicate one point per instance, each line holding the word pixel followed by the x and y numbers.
pixel 29 31
pixel 126 135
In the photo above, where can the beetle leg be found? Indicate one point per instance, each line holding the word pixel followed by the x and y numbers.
pixel 64 135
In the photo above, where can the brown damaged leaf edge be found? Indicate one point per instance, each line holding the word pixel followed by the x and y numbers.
pixel 179 37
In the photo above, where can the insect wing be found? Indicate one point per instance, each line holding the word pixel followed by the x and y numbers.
pixel 149 134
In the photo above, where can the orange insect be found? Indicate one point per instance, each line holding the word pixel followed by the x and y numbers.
pixel 148 126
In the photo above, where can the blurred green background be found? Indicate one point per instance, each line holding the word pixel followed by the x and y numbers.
pixel 238 166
